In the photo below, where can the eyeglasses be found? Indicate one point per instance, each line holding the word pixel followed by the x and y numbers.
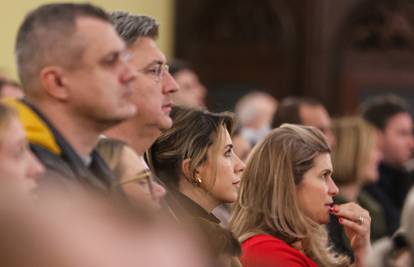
pixel 157 71
pixel 143 179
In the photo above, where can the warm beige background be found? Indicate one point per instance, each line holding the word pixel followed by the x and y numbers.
pixel 12 14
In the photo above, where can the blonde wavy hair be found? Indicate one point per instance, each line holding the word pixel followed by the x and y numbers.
pixel 267 201
pixel 355 139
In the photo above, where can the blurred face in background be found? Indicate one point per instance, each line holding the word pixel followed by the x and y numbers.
pixel 18 166
pixel 397 140
pixel 370 173
pixel 192 92
pixel 242 147
pixel 318 117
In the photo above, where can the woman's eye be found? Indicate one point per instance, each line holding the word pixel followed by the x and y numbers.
pixel 143 183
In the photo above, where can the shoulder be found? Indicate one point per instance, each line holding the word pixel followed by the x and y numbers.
pixel 52 162
pixel 268 251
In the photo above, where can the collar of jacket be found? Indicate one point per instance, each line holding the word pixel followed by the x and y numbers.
pixel 37 130
pixel 191 207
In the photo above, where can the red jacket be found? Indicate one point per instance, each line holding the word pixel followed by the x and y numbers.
pixel 268 251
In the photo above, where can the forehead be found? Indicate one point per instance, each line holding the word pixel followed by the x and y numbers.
pixel 98 37
pixel 145 51
pixel 316 116
pixel 322 162
pixel 400 121
pixel 13 133
pixel 222 138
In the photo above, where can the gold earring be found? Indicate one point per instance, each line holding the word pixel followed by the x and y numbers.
pixel 197 179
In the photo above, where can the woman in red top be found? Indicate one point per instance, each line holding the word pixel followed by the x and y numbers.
pixel 285 200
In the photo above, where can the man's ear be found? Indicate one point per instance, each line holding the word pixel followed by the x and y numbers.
pixel 53 82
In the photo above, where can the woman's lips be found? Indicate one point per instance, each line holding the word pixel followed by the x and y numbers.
pixel 167 108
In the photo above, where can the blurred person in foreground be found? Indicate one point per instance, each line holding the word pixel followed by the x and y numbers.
pixel 19 168
pixel 304 111
pixel 355 162
pixel 196 162
pixel 285 199
pixel 255 112
pixel 77 85
pixel 134 178
pixel 9 88
pixel 192 92
pixel 391 116
pixel 101 233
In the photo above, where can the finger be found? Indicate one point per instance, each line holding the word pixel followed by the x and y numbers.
pixel 352 212
pixel 358 228
pixel 350 208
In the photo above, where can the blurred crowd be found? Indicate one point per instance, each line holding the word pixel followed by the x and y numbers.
pixel 109 156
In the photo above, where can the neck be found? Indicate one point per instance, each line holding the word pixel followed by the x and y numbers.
pixel 199 195
pixel 81 133
pixel 138 136
pixel 392 164
pixel 350 192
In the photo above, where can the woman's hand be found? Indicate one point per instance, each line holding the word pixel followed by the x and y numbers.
pixel 357 225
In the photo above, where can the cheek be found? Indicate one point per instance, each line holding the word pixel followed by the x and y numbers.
pixel 136 194
pixel 14 173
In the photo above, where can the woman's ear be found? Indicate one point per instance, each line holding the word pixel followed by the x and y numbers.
pixel 185 169
pixel 188 175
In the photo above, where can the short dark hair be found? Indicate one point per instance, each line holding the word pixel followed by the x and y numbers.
pixel 45 37
pixel 288 110
pixel 131 27
pixel 380 109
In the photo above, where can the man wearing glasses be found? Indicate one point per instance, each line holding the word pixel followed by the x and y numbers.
pixel 152 87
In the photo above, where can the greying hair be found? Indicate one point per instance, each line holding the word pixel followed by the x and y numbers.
pixel 131 27
pixel 46 37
